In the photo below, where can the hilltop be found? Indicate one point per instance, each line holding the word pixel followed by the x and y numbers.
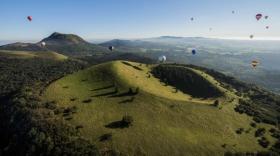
pixel 132 108
pixel 59 38
pixel 67 44
pixel 29 55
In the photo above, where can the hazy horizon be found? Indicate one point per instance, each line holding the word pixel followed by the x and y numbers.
pixel 109 19
pixel 100 40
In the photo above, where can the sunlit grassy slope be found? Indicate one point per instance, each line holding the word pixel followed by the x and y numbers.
pixel 165 122
pixel 28 55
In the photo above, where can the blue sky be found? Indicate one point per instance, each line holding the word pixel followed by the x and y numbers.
pixel 107 19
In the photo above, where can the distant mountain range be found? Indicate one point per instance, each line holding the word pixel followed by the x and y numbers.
pixel 67 44
pixel 73 45
pixel 197 42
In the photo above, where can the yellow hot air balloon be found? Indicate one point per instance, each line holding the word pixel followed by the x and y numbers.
pixel 255 63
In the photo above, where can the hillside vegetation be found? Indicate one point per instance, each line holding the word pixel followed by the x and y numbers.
pixel 28 125
pixel 130 108
pixel 28 55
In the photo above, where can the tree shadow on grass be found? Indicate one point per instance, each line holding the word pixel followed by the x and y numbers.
pixel 117 124
pixel 87 101
pixel 123 94
pixel 128 64
pixel 106 87
pixel 105 94
pixel 83 80
pixel 105 137
pixel 127 100
pixel 130 92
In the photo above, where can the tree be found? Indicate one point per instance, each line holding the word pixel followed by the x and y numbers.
pixel 216 103
pixel 127 120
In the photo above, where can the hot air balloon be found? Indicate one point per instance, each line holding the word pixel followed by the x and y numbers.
pixel 267 27
pixel 232 11
pixel 193 51
pixel 210 29
pixel 29 18
pixel 192 19
pixel 258 16
pixel 43 44
pixel 251 36
pixel 162 59
pixel 255 63
pixel 266 17
pixel 111 48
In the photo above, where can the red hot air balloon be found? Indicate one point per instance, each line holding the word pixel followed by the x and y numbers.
pixel 29 18
pixel 258 16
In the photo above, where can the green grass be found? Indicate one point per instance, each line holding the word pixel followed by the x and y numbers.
pixel 28 55
pixel 165 123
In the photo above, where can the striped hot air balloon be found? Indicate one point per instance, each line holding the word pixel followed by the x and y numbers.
pixel 255 63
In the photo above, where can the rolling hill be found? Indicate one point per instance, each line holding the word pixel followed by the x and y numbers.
pixel 67 44
pixel 29 55
pixel 129 108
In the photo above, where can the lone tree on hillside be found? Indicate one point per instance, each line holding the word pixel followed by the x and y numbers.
pixel 216 103
pixel 127 120
pixel 116 90
pixel 130 91
pixel 137 90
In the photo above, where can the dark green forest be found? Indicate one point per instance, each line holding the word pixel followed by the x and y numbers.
pixel 29 126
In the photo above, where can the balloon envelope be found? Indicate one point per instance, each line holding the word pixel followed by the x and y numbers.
pixel 193 51
pixel 266 17
pixel 111 48
pixel 258 16
pixel 29 18
pixel 162 58
pixel 43 44
pixel 255 63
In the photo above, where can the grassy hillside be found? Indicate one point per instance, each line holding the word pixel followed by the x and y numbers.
pixel 165 120
pixel 28 55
